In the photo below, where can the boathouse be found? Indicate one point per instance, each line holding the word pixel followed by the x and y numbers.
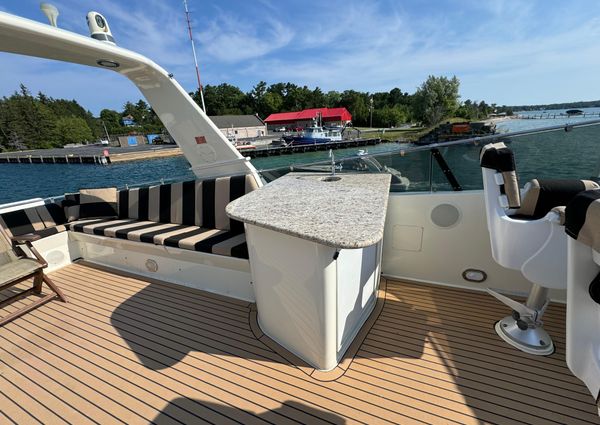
pixel 303 119
pixel 240 126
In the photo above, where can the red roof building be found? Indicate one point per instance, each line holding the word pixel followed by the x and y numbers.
pixel 304 118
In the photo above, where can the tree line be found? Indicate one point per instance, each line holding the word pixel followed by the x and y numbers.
pixel 566 105
pixel 41 122
pixel 435 99
pixel 37 122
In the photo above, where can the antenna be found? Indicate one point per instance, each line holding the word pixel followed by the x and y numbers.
pixel 187 17
pixel 50 11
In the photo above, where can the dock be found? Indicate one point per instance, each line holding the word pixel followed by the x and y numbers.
pixel 288 150
pixel 92 155
pixel 102 155
pixel 558 116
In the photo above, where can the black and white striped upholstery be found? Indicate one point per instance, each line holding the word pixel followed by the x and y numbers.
pixel 44 220
pixel 187 215
pixel 582 220
pixel 497 156
pixel 196 203
pixel 542 195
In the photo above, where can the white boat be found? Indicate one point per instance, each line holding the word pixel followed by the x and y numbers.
pixel 319 297
pixel 315 134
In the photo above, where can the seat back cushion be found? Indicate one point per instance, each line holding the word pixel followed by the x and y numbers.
pixel 582 218
pixel 43 220
pixel 542 195
pixel 98 202
pixel 51 214
pixel 228 189
pixel 70 206
pixel 497 156
pixel 195 203
pixel 21 222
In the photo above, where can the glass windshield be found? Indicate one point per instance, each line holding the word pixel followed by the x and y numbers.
pixel 560 152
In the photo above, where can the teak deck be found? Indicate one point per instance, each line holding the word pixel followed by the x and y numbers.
pixel 127 351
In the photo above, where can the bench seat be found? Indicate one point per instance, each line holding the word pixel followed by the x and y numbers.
pixel 188 215
pixel 194 238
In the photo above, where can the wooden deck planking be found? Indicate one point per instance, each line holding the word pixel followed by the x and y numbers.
pixel 130 351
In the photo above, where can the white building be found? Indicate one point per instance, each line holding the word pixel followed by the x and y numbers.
pixel 236 127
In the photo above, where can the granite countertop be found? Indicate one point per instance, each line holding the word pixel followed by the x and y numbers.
pixel 347 213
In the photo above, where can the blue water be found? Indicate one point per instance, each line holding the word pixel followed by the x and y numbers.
pixel 26 181
pixel 527 124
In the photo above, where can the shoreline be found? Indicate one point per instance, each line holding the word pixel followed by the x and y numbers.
pixel 500 119
pixel 138 156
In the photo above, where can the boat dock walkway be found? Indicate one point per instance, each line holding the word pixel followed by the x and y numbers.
pixel 558 116
pixel 288 150
pixel 102 155
pixel 98 155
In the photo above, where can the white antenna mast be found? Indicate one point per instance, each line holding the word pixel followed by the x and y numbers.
pixel 187 17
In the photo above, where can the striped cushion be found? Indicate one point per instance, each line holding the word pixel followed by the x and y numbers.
pixel 195 203
pixel 541 195
pixel 187 215
pixel 21 222
pixel 98 202
pixel 49 231
pixel 497 156
pixel 51 214
pixel 43 220
pixel 70 206
pixel 182 236
pixel 582 218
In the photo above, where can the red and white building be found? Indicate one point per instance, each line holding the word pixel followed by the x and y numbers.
pixel 303 119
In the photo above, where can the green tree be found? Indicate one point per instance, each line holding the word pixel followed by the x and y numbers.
pixel 263 101
pixel 318 99
pixel 397 97
pixel 332 99
pixel 436 99
pixel 357 104
pixel 73 130
pixel 31 122
pixel 270 103
pixel 112 121
pixel 224 99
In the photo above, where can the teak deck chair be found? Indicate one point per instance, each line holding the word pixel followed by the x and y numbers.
pixel 16 266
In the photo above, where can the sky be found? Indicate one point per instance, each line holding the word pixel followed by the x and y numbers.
pixel 508 52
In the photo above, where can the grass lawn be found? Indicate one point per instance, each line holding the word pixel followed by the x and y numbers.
pixel 408 134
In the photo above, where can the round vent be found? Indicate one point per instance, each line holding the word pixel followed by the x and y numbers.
pixel 445 215
pixel 55 257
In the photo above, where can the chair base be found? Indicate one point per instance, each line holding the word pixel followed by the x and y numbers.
pixel 534 340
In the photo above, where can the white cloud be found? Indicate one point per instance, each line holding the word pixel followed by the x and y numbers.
pixel 391 48
pixel 231 39
pixel 93 88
